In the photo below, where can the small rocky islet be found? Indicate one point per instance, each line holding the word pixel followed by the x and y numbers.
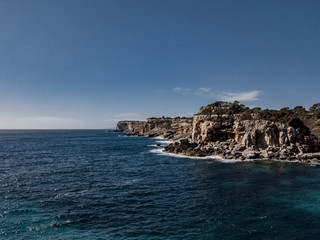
pixel 234 131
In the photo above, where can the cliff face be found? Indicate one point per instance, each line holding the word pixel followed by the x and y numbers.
pixel 259 134
pixel 129 126
pixel 172 128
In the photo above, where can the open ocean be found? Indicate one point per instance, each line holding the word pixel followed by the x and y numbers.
pixel 91 184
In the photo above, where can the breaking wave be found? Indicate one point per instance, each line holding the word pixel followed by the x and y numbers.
pixel 159 151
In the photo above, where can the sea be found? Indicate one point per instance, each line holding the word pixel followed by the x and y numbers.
pixel 94 184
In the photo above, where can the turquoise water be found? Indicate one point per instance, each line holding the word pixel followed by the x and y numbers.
pixel 91 184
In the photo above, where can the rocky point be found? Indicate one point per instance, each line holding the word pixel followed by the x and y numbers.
pixel 234 131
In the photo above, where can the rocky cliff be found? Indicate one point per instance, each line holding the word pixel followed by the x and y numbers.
pixel 234 131
pixel 171 128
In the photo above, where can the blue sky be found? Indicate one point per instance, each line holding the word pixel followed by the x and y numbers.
pixel 90 63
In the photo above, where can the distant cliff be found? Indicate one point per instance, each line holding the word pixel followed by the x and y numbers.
pixel 234 131
pixel 129 126
pixel 171 128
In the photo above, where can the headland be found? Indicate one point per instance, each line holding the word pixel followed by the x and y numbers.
pixel 234 131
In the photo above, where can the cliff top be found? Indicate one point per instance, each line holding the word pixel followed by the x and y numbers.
pixel 297 117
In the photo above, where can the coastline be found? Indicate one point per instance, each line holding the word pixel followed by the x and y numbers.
pixel 234 132
pixel 159 150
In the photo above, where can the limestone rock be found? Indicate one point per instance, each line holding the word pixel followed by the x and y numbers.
pixel 223 129
pixel 171 128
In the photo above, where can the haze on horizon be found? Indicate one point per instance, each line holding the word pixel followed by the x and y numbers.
pixel 90 63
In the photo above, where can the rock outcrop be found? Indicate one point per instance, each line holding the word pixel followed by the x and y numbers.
pixel 233 131
pixel 171 128
pixel 130 126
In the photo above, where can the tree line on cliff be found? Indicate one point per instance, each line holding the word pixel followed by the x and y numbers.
pixel 298 117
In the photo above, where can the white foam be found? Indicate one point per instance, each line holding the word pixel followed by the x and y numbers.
pixel 124 136
pixel 229 160
pixel 152 145
pixel 160 151
pixel 279 160
pixel 158 137
pixel 164 142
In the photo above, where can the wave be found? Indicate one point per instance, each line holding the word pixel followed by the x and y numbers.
pixel 164 142
pixel 127 136
pixel 158 137
pixel 159 151
pixel 152 145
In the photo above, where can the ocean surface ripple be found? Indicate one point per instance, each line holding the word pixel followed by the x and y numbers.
pixel 91 184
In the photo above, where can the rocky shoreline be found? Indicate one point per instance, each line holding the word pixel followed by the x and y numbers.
pixel 233 131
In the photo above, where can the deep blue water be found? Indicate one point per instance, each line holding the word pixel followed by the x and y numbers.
pixel 91 184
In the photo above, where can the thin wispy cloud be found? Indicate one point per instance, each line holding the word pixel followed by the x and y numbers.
pixel 203 92
pixel 240 96
pixel 225 96
pixel 182 90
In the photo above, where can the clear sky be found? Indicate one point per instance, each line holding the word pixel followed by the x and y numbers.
pixel 90 63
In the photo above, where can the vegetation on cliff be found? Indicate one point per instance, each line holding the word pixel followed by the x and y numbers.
pixel 298 117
